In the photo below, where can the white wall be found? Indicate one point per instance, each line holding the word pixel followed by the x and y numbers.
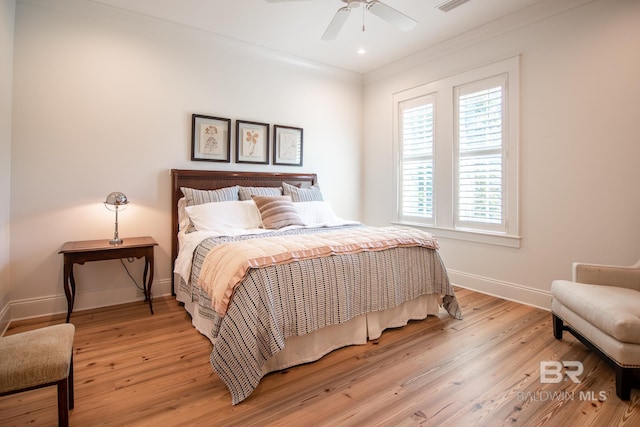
pixel 7 20
pixel 579 146
pixel 105 104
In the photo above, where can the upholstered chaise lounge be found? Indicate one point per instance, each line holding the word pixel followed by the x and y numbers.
pixel 601 307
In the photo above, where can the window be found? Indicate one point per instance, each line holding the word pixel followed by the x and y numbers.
pixel 456 155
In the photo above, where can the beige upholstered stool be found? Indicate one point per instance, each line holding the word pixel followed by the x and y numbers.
pixel 40 358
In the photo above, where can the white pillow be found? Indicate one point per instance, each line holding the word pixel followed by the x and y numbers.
pixel 183 218
pixel 316 213
pixel 218 216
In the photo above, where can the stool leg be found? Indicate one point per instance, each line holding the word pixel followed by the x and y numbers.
pixel 63 402
pixel 71 393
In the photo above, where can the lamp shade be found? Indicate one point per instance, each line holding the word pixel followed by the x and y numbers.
pixel 116 200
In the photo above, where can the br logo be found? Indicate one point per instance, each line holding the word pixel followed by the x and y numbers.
pixel 552 372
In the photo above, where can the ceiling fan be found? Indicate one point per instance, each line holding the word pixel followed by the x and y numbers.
pixel 394 17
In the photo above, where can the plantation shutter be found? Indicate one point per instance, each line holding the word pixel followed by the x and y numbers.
pixel 417 138
pixel 480 155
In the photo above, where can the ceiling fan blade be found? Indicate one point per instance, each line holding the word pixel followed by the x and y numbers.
pixel 336 24
pixel 391 15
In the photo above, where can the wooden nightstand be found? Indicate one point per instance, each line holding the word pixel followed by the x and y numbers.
pixel 101 250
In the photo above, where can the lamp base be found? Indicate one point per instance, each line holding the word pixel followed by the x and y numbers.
pixel 116 241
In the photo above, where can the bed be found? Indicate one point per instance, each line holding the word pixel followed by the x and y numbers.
pixel 300 289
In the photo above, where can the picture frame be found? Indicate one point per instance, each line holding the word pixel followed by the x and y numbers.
pixel 210 138
pixel 287 145
pixel 252 142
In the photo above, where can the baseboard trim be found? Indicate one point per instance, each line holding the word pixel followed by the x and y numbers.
pixel 5 318
pixel 505 290
pixel 55 304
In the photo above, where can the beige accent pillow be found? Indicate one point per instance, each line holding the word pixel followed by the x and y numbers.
pixel 277 212
pixel 197 197
pixel 245 193
pixel 306 194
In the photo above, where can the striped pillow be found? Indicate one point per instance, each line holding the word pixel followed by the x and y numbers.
pixel 307 194
pixel 245 193
pixel 198 197
pixel 277 212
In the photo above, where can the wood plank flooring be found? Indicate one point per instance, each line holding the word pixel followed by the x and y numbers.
pixel 135 369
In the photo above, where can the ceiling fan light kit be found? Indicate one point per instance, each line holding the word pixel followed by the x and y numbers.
pixel 388 14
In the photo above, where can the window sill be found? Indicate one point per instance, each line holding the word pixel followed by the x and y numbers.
pixel 469 236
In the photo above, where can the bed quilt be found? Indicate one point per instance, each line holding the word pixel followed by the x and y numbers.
pixel 302 294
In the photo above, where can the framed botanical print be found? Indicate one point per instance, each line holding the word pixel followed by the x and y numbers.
pixel 287 145
pixel 210 138
pixel 252 142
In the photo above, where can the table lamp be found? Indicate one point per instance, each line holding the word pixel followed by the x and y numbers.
pixel 116 201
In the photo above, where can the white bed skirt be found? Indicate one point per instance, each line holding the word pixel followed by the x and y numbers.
pixel 311 347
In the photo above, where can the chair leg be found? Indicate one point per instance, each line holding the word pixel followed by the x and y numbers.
pixel 63 402
pixel 558 325
pixel 623 383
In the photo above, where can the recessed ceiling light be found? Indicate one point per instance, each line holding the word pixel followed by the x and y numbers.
pixel 361 51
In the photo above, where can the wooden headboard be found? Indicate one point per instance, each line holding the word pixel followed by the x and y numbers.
pixel 213 180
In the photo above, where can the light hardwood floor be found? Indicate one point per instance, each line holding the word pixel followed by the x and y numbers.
pixel 135 369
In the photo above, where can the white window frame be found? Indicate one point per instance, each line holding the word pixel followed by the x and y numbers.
pixel 445 186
